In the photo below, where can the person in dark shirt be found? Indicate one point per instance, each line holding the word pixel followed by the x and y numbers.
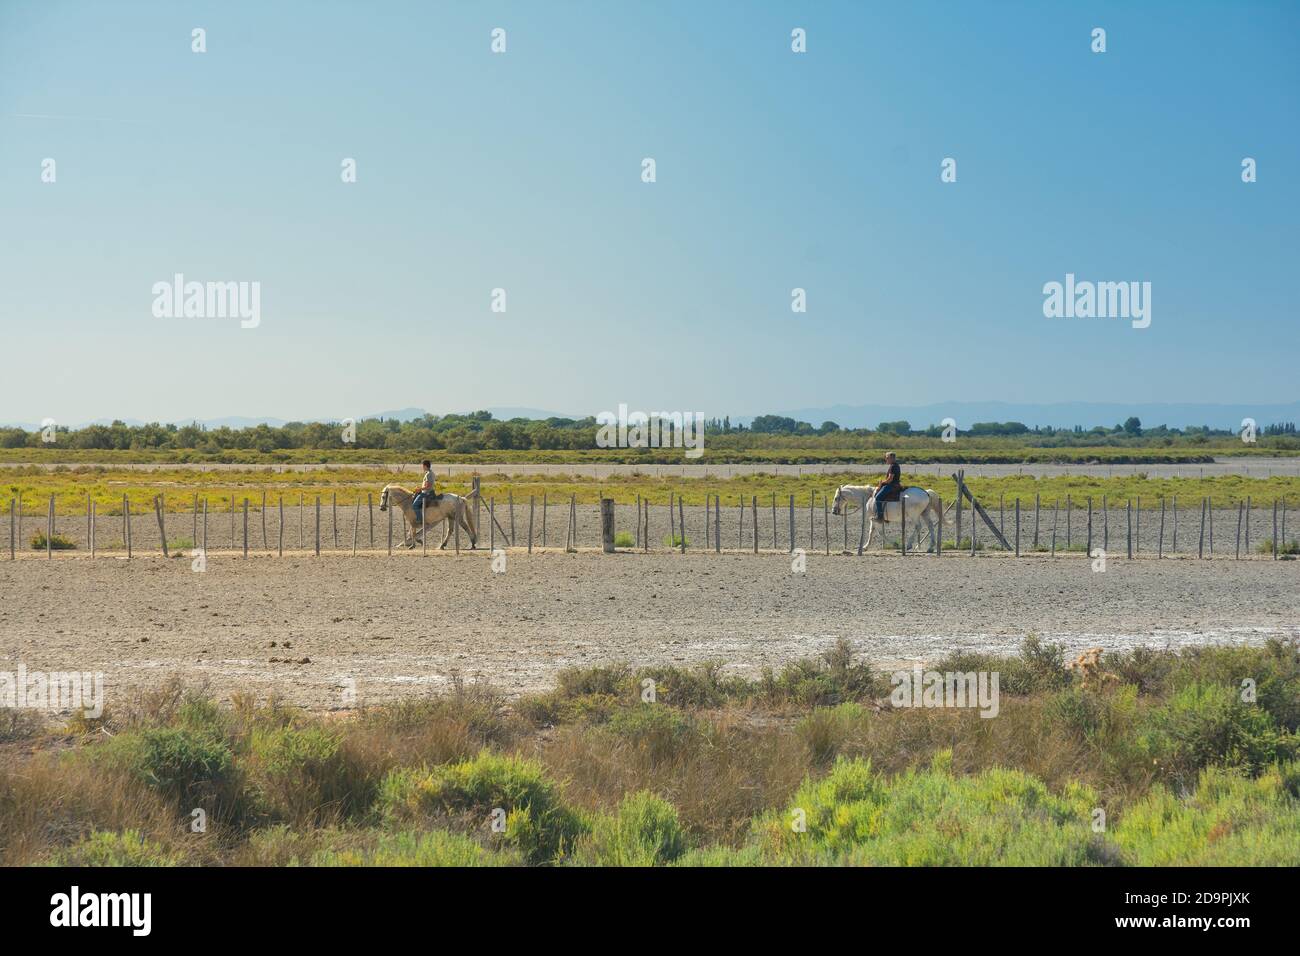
pixel 891 486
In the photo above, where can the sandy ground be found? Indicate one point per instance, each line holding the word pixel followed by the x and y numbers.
pixel 310 629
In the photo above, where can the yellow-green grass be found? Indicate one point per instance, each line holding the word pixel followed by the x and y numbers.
pixel 33 486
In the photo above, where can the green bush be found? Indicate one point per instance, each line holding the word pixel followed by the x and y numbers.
pixel 932 818
pixel 537 822
pixel 624 539
pixel 663 732
pixel 57 543
pixel 644 831
pixel 194 769
pixel 304 775
pixel 1228 821
pixel 1204 724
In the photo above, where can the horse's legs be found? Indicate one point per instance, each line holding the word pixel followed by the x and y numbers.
pixel 871 530
pixel 450 522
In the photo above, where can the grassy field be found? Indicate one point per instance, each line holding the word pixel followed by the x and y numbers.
pixel 32 487
pixel 1147 758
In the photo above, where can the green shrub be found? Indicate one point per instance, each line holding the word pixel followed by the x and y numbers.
pixel 1204 724
pixel 1228 821
pixel 57 543
pixel 825 729
pixel 932 818
pixel 644 831
pixel 192 768
pixel 104 848
pixel 536 820
pixel 303 775
pixel 664 732
pixel 624 539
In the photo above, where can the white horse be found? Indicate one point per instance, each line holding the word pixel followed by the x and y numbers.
pixel 922 505
pixel 445 508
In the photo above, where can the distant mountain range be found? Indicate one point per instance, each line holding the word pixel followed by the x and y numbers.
pixel 1059 415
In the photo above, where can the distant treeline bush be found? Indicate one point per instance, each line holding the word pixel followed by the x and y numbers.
pixel 479 431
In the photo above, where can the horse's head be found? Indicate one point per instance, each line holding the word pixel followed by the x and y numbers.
pixel 838 500
pixel 856 494
pixel 383 499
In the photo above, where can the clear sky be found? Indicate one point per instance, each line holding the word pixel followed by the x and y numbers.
pixel 522 171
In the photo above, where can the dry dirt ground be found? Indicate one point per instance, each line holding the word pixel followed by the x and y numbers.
pixel 310 629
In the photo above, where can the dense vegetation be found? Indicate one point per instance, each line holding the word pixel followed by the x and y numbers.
pixel 808 765
pixel 478 436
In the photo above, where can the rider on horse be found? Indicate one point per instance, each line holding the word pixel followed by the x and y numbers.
pixel 891 486
pixel 426 492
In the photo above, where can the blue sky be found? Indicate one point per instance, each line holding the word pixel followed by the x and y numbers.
pixel 522 171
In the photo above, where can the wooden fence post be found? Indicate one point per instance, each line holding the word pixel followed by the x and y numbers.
pixel 753 505
pixel 1247 534
pixel 94 508
pixel 1128 521
pixel 1240 509
pixel 902 521
pixel 681 520
pixel 791 551
pixel 573 519
pixel 1274 529
pixel 717 523
pixel 672 522
pixel 126 524
pixel 302 506
pixel 862 530
pixel 13 531
pixel 1090 526
pixel 1200 549
pixel 245 527
pixel 532 504
pixel 606 526
pixel 194 536
pixel 49 531
pixel 1137 526
pixel 1056 518
pixel 459 516
pixel 1160 545
pixel 740 535
pixel 232 523
pixel 960 498
pixel 1036 504
pixel 162 522
pixel 544 520
pixel 826 524
pixel 511 493
pixel 279 539
pixel 1017 527
pixel 265 546
pixel 334 518
pixel 356 525
pixel 638 521
pixel 205 529
pixel 318 526
pixel 1105 524
pixel 370 514
pixel 1068 507
pixel 476 487
pixel 812 522
pixel 774 521
pixel 1173 515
